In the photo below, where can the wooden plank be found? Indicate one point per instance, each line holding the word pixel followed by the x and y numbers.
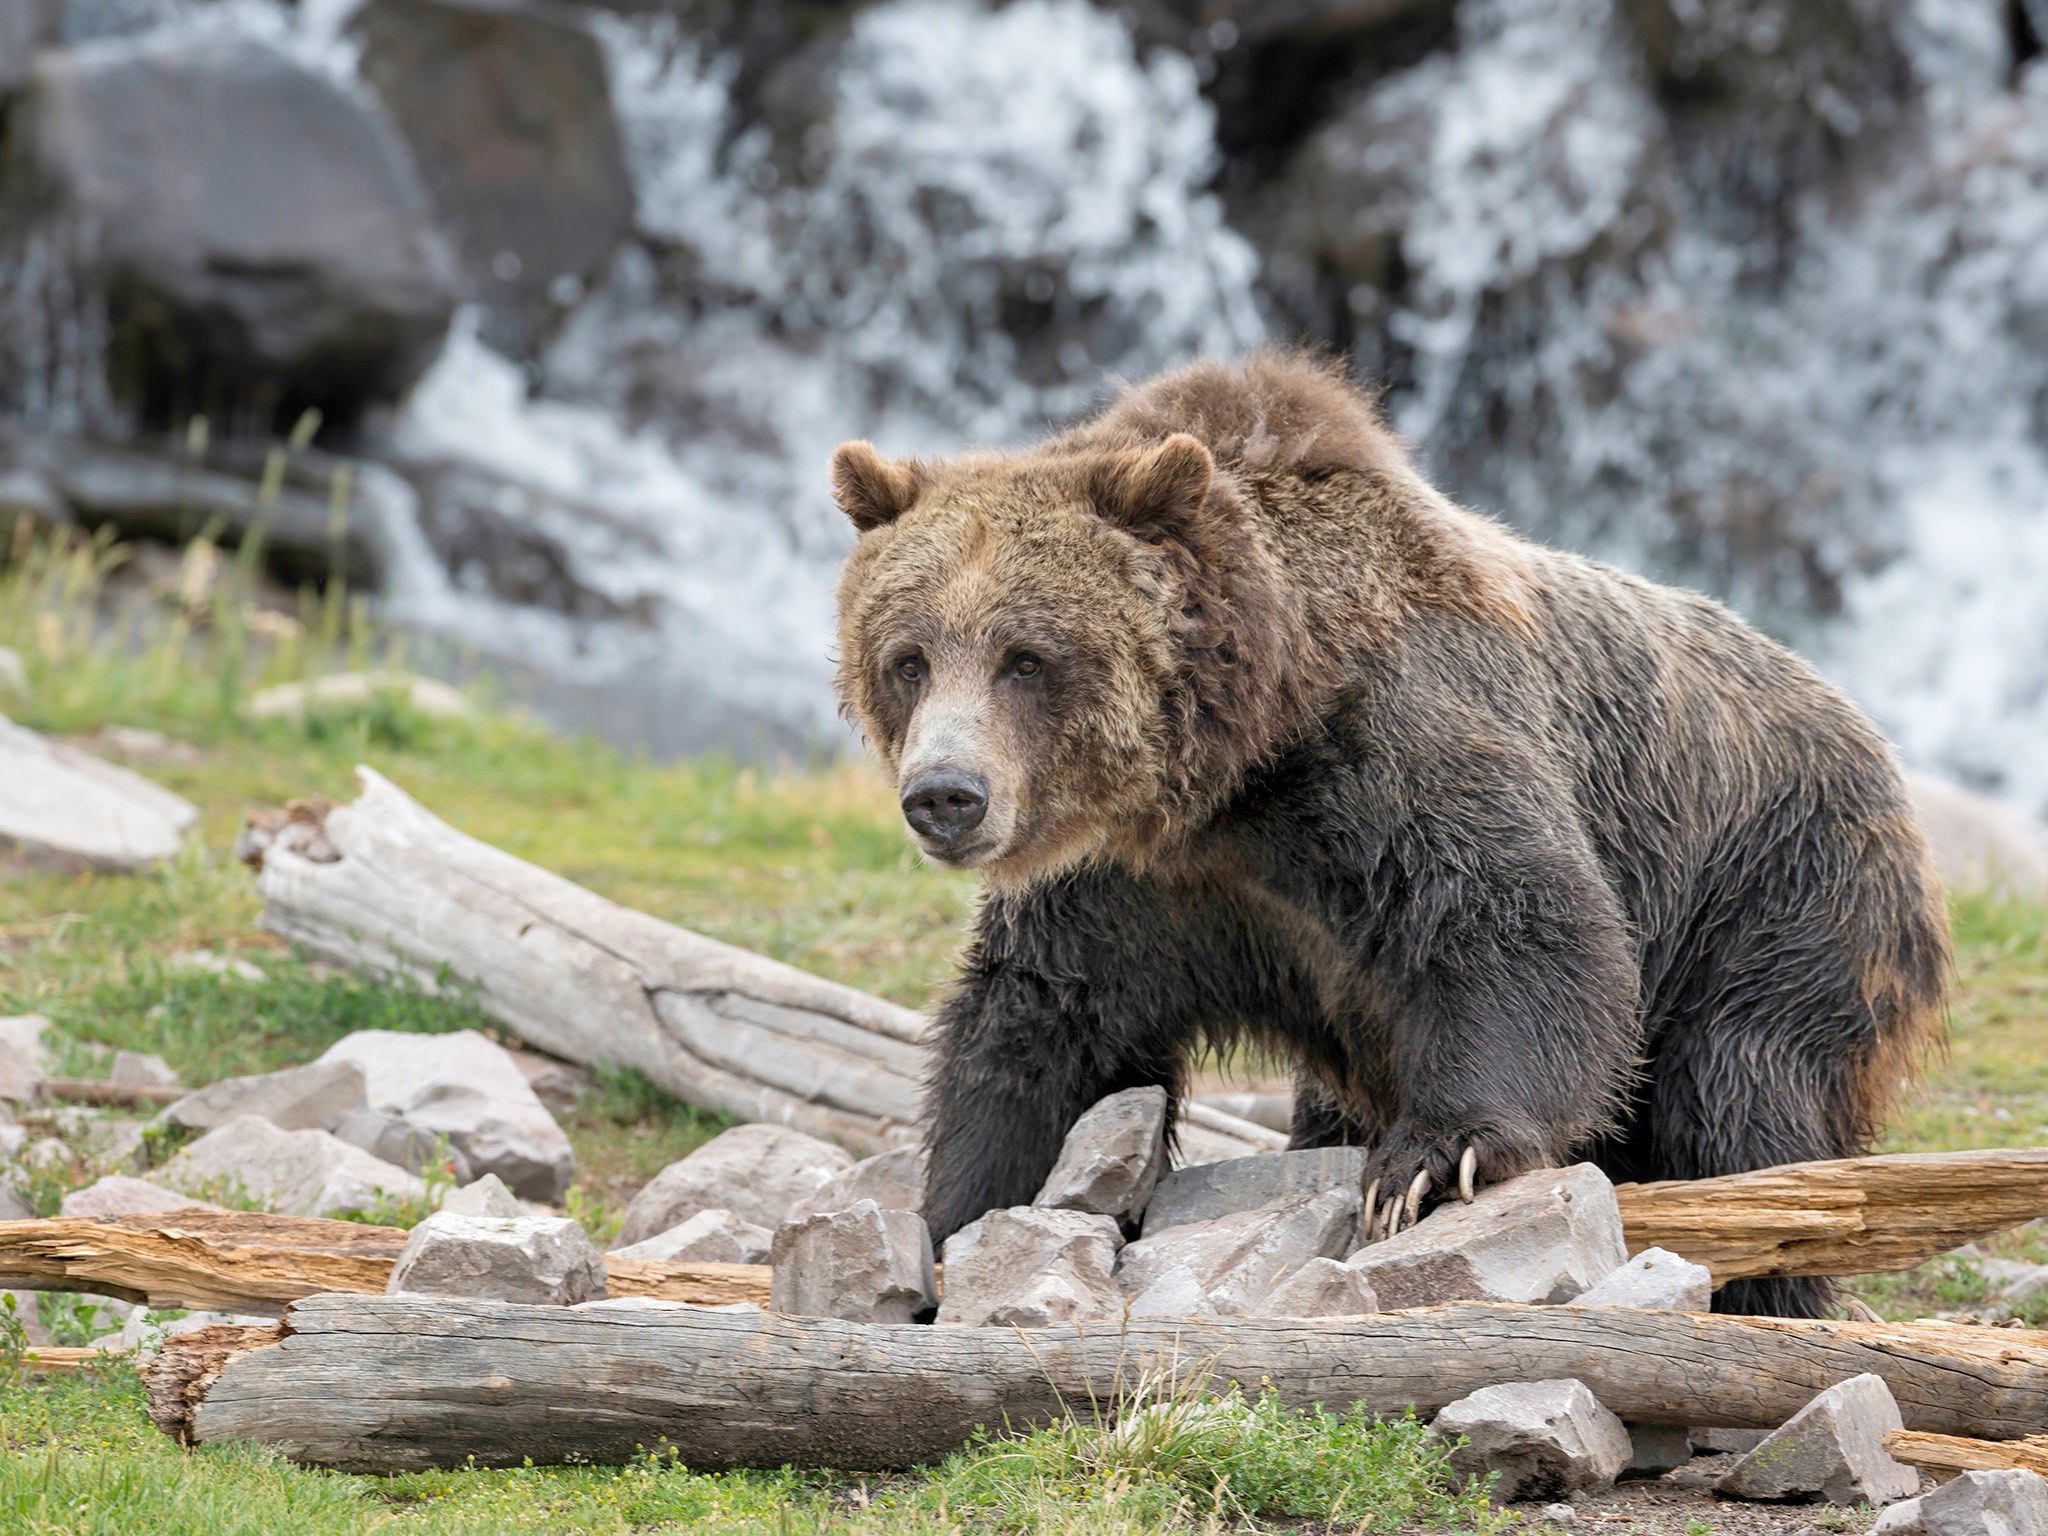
pixel 1850 1216
pixel 1955 1453
pixel 249 1262
pixel 385 1384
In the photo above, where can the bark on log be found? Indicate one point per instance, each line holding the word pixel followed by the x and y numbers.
pixel 384 885
pixel 1849 1216
pixel 386 1384
pixel 247 1262
pixel 1954 1453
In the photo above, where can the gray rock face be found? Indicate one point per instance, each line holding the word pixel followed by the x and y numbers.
pixel 509 115
pixel 863 1264
pixel 308 1098
pixel 1833 1448
pixel 1111 1158
pixel 1708 1440
pixel 894 1180
pixel 1546 1439
pixel 486 1196
pixel 140 1070
pixel 119 1195
pixel 1178 1292
pixel 2012 1502
pixel 1239 1258
pixel 1030 1266
pixel 1655 1278
pixel 1545 1237
pixel 1656 1449
pixel 64 809
pixel 712 1237
pixel 467 1088
pixel 763 1174
pixel 400 1142
pixel 1209 1190
pixel 289 248
pixel 1320 1288
pixel 298 1173
pixel 544 1260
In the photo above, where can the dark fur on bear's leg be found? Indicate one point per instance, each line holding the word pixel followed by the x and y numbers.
pixel 1778 1296
pixel 1320 1121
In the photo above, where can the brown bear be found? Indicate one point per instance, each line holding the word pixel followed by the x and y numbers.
pixel 1259 740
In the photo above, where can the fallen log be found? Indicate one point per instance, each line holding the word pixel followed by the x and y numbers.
pixel 387 1384
pixel 93 1090
pixel 383 885
pixel 249 1262
pixel 1850 1216
pixel 1955 1453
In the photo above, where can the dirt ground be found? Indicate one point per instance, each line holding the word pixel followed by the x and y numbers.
pixel 1682 1503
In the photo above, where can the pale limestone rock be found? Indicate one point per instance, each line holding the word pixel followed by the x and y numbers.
pixel 541 1260
pixel 710 1237
pixel 308 1098
pixel 137 1069
pixel 1239 1258
pixel 763 1174
pixel 894 1180
pixel 1111 1158
pixel 862 1264
pixel 486 1196
pixel 1209 1190
pixel 1320 1288
pixel 119 1195
pixel 2009 1502
pixel 298 1173
pixel 1833 1448
pixel 1655 1278
pixel 1002 1264
pixel 1545 1439
pixel 65 809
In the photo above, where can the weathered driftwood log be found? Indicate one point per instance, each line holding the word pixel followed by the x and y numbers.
pixel 384 1384
pixel 383 884
pixel 1954 1453
pixel 241 1261
pixel 1851 1216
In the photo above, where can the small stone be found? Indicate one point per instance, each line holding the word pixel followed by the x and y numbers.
pixel 1655 1278
pixel 308 1098
pixel 1707 1440
pixel 542 1260
pixel 298 1173
pixel 67 810
pixel 1545 1237
pixel 710 1237
pixel 862 1264
pixel 1544 1438
pixel 763 1174
pixel 1111 1158
pixel 402 1143
pixel 1560 1515
pixel 1177 1292
pixel 28 1033
pixel 1833 1448
pixel 12 1206
pixel 466 1087
pixel 1238 1184
pixel 138 1070
pixel 2008 1502
pixel 47 1152
pixel 119 1195
pixel 486 1196
pixel 1320 1288
pixel 894 1180
pixel 1000 1264
pixel 1239 1258
pixel 1656 1449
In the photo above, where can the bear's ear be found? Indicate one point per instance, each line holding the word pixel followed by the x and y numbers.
pixel 870 489
pixel 1156 489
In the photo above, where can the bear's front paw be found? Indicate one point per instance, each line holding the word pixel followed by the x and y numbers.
pixel 1409 1174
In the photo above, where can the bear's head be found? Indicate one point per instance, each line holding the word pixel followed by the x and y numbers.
pixel 1058 654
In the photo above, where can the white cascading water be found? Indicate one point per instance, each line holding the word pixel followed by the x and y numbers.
pixel 976 155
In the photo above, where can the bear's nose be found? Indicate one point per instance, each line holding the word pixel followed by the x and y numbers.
pixel 945 803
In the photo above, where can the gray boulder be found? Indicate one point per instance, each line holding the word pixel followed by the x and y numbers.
pixel 2009 1502
pixel 309 1098
pixel 1176 1291
pixel 863 1264
pixel 713 1237
pixel 1209 1190
pixel 1320 1288
pixel 486 1196
pixel 1545 1439
pixel 1239 1258
pixel 763 1174
pixel 894 1180
pixel 1833 1449
pixel 1544 1237
pixel 1656 1278
pixel 467 1088
pixel 543 1260
pixel 12 1206
pixel 66 810
pixel 141 1070
pixel 119 1195
pixel 21 1075
pixel 1112 1157
pixel 299 1173
pixel 260 233
pixel 508 111
pixel 1028 1267
pixel 400 1142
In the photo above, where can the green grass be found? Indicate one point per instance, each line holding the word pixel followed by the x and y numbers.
pixel 805 863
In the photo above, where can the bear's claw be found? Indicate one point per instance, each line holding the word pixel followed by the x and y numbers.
pixel 1468 1165
pixel 1380 1221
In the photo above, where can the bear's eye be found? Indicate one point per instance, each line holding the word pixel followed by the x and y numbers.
pixel 911 669
pixel 1024 664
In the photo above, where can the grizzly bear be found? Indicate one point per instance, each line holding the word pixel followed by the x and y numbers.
pixel 1259 740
